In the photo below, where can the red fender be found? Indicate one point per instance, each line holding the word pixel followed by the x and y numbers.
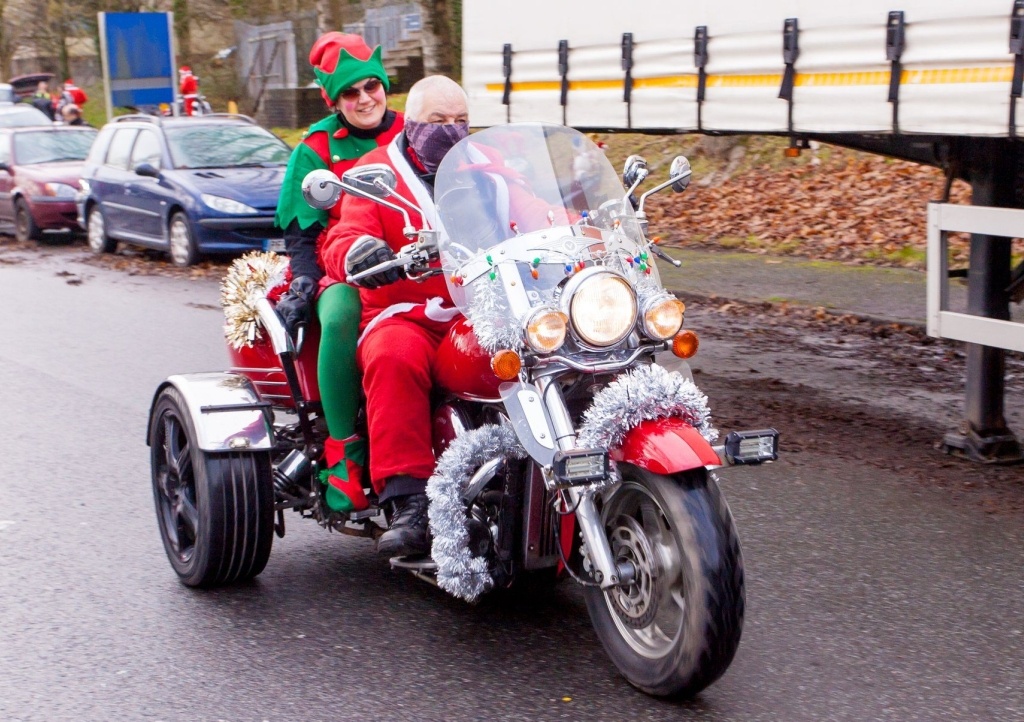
pixel 665 446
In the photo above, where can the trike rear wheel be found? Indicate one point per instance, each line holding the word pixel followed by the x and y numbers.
pixel 215 509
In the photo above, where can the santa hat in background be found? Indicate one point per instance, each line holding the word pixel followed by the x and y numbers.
pixel 185 70
pixel 340 60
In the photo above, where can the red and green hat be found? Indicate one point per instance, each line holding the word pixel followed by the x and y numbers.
pixel 340 60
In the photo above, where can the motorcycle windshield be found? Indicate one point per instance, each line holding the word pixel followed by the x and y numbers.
pixel 521 208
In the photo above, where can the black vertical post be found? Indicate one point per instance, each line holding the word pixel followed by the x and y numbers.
pixel 506 68
pixel 984 435
pixel 700 60
pixel 895 44
pixel 563 71
pixel 627 83
pixel 790 53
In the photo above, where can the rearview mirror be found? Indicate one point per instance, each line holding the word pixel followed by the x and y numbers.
pixel 634 171
pixel 321 189
pixel 680 173
pixel 377 180
pixel 147 169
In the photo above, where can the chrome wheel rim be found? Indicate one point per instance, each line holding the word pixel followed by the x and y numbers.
pixel 96 232
pixel 181 243
pixel 174 482
pixel 649 612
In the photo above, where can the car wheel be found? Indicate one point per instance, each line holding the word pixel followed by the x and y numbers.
pixel 25 228
pixel 96 232
pixel 182 243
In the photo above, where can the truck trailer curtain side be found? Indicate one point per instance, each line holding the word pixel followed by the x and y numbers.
pixel 937 67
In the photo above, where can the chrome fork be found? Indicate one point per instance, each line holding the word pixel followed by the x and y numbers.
pixel 605 571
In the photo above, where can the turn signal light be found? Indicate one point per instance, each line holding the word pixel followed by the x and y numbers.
pixel 506 365
pixel 685 344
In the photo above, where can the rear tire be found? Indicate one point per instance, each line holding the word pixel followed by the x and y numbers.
pixel 96 232
pixel 25 228
pixel 182 241
pixel 676 628
pixel 215 510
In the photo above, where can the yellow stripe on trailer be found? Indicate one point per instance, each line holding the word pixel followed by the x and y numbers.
pixel 941 76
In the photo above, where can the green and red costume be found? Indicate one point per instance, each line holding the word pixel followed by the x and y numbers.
pixel 339 61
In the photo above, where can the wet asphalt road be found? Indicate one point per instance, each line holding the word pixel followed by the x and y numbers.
pixel 866 599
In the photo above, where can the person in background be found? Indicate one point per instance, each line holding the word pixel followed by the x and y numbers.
pixel 354 86
pixel 188 87
pixel 403 321
pixel 41 99
pixel 72 115
pixel 71 94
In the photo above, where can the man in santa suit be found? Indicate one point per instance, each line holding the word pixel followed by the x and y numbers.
pixel 188 87
pixel 403 321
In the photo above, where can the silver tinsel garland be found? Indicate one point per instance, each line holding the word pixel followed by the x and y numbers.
pixel 458 572
pixel 643 394
pixel 249 279
pixel 491 318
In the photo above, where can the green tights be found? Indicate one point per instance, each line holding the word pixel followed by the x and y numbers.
pixel 339 310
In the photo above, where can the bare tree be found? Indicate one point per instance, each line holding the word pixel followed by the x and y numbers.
pixel 439 35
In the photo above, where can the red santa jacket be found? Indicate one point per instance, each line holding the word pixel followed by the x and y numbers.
pixel 360 217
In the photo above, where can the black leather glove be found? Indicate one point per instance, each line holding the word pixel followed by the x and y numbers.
pixel 366 253
pixel 296 305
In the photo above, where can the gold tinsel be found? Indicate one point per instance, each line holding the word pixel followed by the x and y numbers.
pixel 249 279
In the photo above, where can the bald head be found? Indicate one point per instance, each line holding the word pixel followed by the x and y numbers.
pixel 437 99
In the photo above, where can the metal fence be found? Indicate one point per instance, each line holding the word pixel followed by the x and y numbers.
pixel 266 56
pixel 387 26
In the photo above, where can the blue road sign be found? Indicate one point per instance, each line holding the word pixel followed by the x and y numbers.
pixel 138 58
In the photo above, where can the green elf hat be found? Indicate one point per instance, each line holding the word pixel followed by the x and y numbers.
pixel 340 60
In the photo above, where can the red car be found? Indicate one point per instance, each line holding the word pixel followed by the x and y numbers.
pixel 39 172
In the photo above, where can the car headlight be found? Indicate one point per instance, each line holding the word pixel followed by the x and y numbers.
pixel 663 317
pixel 603 309
pixel 545 330
pixel 226 205
pixel 59 190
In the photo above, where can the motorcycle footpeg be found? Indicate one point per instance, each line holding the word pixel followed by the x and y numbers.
pixel 421 563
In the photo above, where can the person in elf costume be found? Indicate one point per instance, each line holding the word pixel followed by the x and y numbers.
pixel 403 321
pixel 354 84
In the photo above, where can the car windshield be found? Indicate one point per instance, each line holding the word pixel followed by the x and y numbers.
pixel 225 146
pixel 48 146
pixel 26 115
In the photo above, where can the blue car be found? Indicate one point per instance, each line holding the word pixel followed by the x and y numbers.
pixel 189 186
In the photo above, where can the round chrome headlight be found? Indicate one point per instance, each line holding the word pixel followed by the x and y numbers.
pixel 663 317
pixel 603 309
pixel 545 330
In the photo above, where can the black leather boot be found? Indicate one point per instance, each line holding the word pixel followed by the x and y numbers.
pixel 407 532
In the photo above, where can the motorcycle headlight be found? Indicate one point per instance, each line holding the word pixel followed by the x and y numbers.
pixel 545 330
pixel 663 317
pixel 603 309
pixel 226 205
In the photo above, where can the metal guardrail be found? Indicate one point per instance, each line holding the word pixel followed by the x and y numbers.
pixel 944 218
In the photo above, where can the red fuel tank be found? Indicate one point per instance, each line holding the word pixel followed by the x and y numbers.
pixel 463 368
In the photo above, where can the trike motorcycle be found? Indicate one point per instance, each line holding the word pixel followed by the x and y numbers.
pixel 570 438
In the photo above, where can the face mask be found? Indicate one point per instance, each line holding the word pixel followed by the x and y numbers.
pixel 431 141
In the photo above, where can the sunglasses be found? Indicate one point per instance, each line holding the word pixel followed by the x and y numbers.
pixel 369 87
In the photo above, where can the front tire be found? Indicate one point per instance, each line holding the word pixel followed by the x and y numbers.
pixel 676 628
pixel 25 228
pixel 215 510
pixel 182 241
pixel 96 232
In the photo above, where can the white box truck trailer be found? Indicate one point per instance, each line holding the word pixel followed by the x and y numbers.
pixel 934 81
